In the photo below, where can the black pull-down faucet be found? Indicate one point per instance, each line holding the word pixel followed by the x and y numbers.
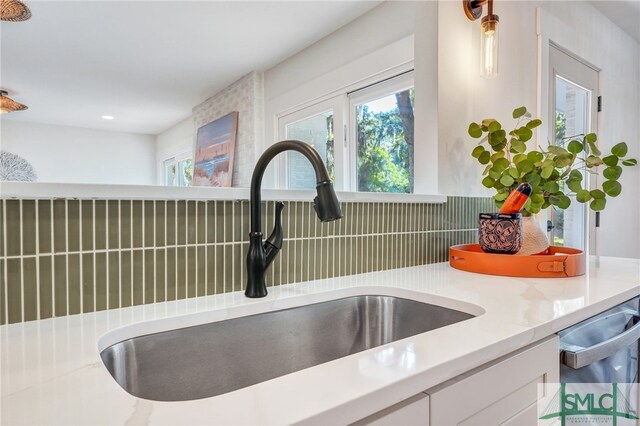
pixel 326 205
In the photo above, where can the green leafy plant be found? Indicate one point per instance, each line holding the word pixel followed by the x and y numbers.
pixel 555 175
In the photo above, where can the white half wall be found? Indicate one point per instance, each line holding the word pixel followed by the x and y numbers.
pixel 76 155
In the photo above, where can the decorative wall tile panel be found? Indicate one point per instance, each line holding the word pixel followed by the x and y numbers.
pixel 63 257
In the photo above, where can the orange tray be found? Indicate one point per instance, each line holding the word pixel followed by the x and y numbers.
pixel 561 262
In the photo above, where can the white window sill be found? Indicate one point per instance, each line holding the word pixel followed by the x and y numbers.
pixel 37 190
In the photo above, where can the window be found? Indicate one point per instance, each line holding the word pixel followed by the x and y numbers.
pixel 365 138
pixel 178 170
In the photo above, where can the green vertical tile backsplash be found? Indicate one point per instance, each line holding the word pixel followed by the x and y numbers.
pixel 62 257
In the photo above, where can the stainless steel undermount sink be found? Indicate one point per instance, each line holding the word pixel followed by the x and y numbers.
pixel 219 357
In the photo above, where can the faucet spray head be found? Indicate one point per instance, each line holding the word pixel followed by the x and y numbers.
pixel 326 203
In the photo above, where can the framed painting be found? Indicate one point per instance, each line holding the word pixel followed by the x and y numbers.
pixel 215 147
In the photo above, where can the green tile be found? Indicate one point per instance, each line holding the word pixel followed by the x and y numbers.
pixel 149 224
pixel 75 278
pixel 236 223
pixel 29 227
pixel 160 276
pixel 87 282
pixel 219 221
pixel 100 220
pixel 246 219
pixel 228 222
pixel 191 222
pixel 46 287
pixel 45 223
pixel 210 252
pixel 219 269
pixel 191 272
pixel 1 235
pixel 138 283
pixel 14 291
pixel 87 225
pixel 13 227
pixel 113 260
pixel 137 223
pixel 60 285
pixel 211 221
pixel 125 278
pixel 201 218
pixel 73 226
pixel 160 223
pixel 181 266
pixel 171 274
pixel 228 269
pixel 201 260
pixel 149 281
pixel 171 223
pixel 125 224
pixel 101 281
pixel 182 222
pixel 3 286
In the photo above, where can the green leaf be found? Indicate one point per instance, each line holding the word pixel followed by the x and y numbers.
pixel 535 156
pixel 620 150
pixel 574 185
pixel 524 133
pixel 612 172
pixel 524 167
pixel 501 196
pixel 565 202
pixel 488 182
pixel 518 147
pixel 575 147
pixel 594 149
pixel 486 169
pixel 494 174
pixel 537 199
pixel 497 155
pixel 498 137
pixel 610 160
pixel 513 172
pixel 551 187
pixel 575 175
pixel 519 112
pixel 501 164
pixel 475 131
pixel 583 196
pixel 533 179
pixel 506 180
pixel 596 193
pixel 494 126
pixel 546 171
pixel 630 162
pixel 518 158
pixel 484 157
pixel 477 151
pixel 612 188
pixel 557 150
pixel 534 123
pixel 593 161
pixel 590 138
pixel 563 160
pixel 598 204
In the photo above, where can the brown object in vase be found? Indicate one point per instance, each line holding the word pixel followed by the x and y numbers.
pixel 14 11
pixel 8 105
pixel 517 199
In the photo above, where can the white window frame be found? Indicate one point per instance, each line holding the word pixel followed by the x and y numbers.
pixel 344 126
pixel 176 158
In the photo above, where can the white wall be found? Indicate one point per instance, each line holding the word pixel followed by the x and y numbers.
pixel 463 96
pixel 176 140
pixel 76 155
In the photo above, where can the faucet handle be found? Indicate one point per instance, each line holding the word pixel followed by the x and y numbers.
pixel 273 244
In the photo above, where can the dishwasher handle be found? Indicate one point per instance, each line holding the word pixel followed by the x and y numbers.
pixel 581 357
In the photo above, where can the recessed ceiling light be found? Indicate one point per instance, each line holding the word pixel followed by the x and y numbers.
pixel 108 117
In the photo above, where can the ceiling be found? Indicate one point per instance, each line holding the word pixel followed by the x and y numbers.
pixel 147 63
pixel 624 13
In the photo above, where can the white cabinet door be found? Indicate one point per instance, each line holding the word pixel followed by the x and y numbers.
pixel 505 392
pixel 410 412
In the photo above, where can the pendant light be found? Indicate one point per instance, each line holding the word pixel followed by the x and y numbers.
pixel 14 11
pixel 488 35
pixel 8 105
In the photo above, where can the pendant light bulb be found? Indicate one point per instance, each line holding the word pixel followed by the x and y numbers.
pixel 489 46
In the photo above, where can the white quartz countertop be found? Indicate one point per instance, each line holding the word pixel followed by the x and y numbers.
pixel 52 372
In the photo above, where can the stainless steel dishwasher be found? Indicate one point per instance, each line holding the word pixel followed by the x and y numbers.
pixel 604 348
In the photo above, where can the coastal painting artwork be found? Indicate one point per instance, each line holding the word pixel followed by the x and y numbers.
pixel 215 146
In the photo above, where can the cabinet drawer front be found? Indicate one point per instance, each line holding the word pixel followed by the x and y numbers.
pixel 411 412
pixel 504 392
